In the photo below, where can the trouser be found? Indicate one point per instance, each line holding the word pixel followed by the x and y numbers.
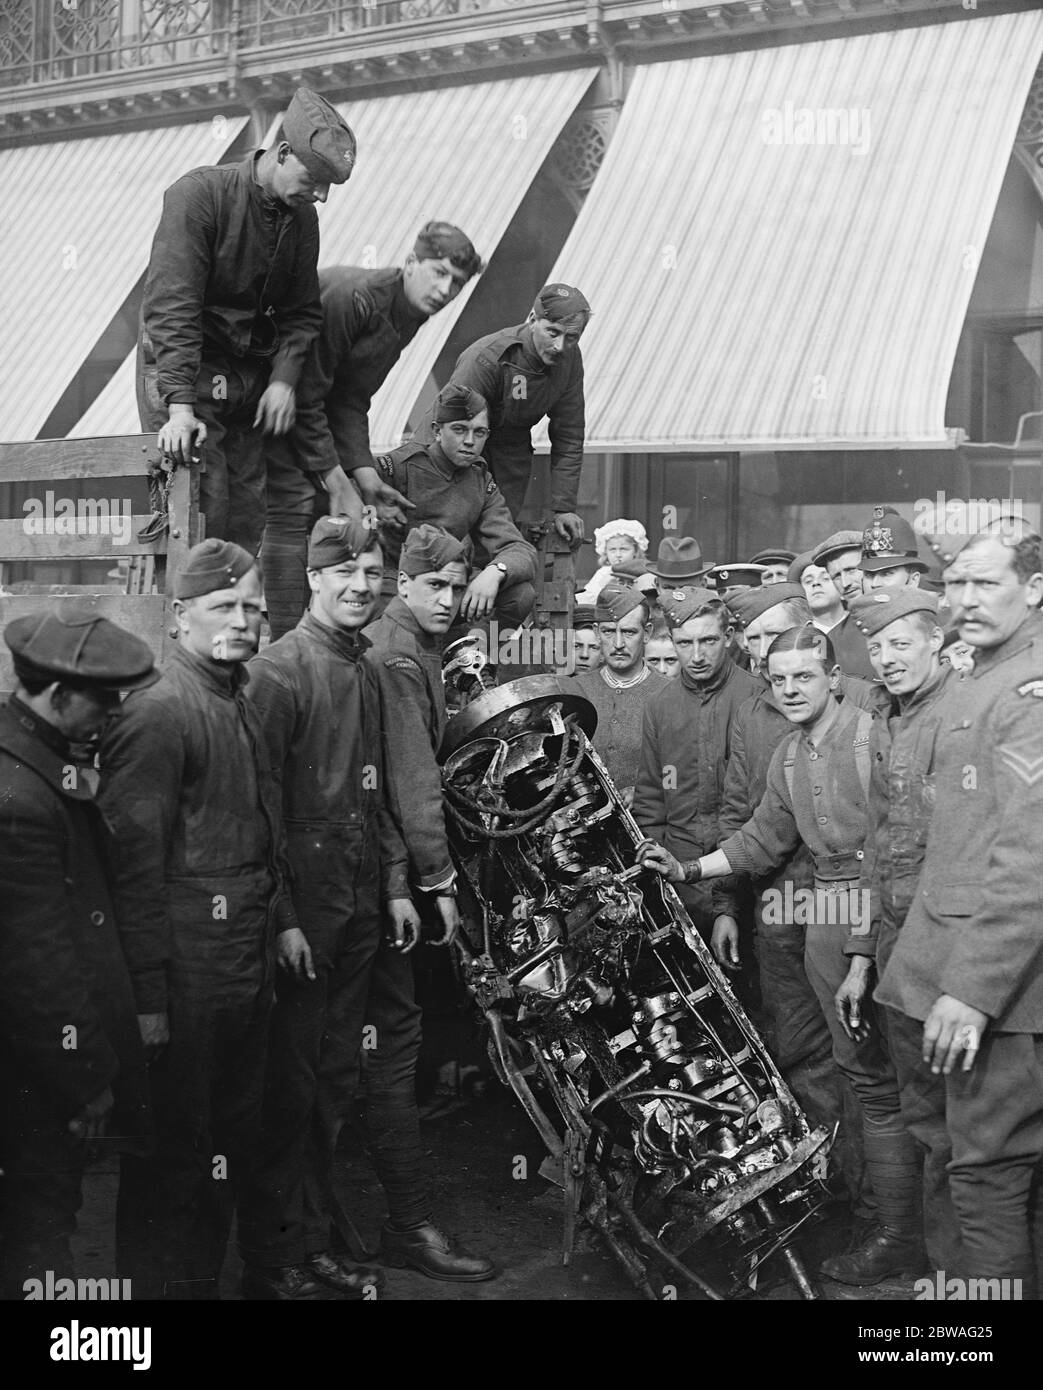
pixel 356 1027
pixel 995 1117
pixel 867 1065
pixel 512 469
pixel 40 1189
pixel 922 1099
pixel 174 1209
pixel 294 504
pixel 232 482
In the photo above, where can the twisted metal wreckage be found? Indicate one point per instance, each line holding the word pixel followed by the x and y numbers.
pixel 675 1135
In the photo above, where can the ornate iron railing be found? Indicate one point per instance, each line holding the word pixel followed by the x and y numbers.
pixel 60 40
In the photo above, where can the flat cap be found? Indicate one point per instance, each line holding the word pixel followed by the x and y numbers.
pixel 441 241
pixel 836 544
pixel 320 137
pixel 212 564
pixel 456 401
pixel 337 539
pixel 773 557
pixel 889 541
pixel 680 557
pixel 736 577
pixel 678 611
pixel 747 605
pixel 615 601
pixel 428 549
pixel 559 302
pixel 871 612
pixel 76 646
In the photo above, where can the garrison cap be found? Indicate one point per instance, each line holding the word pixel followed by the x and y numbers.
pixel 615 601
pixel 836 544
pixel 747 605
pixel 773 557
pixel 428 549
pixel 583 615
pixel 871 612
pixel 680 557
pixel 78 647
pixel 335 539
pixel 889 541
pixel 736 577
pixel 441 241
pixel 456 401
pixel 559 302
pixel 320 137
pixel 678 611
pixel 212 564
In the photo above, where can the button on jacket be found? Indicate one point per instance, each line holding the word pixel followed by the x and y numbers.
pixel 975 926
pixel 234 269
pixel 521 390
pixel 621 715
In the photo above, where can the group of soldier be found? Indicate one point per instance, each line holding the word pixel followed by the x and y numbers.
pixel 211 889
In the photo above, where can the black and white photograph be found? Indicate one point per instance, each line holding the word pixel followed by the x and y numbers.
pixel 521 680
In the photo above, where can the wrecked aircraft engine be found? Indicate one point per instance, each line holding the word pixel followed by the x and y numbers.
pixel 667 1124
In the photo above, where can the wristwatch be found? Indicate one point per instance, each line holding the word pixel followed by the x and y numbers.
pixel 499 565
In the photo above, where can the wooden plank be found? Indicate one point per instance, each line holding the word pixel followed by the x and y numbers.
pixel 52 460
pixel 16 544
pixel 142 615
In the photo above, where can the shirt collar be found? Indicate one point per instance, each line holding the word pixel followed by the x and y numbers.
pixel 351 645
pixel 400 613
pixel 717 680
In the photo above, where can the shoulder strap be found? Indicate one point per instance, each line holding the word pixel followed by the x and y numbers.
pixel 788 760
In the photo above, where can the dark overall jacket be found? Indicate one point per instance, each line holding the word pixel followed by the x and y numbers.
pixel 521 390
pixel 68 1023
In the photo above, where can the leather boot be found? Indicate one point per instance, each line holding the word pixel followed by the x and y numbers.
pixel 285 583
pixel 289 1284
pixel 427 1249
pixel 896 1246
pixel 355 1280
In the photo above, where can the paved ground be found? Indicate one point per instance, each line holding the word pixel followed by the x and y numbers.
pixel 485 1160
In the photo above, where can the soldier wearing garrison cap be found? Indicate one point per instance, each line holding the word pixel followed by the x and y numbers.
pixel 622 687
pixel 533 370
pixel 324 727
pixel 231 309
pixel 890 552
pixel 64 975
pixel 905 639
pixel 369 318
pixel 448 485
pixel 201 890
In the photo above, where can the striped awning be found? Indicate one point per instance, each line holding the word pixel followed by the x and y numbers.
pixel 464 154
pixel 76 225
pixel 781 244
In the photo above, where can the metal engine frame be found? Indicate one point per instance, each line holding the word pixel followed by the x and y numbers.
pixel 675 1134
